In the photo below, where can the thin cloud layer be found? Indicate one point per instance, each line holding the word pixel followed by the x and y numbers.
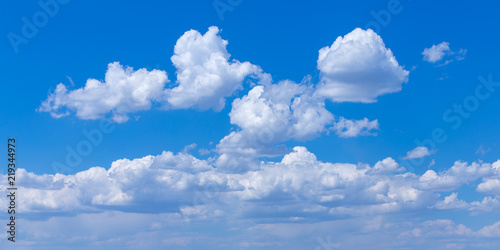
pixel 418 152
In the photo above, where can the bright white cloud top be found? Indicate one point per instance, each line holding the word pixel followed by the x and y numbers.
pixel 205 76
pixel 359 68
pixel 273 114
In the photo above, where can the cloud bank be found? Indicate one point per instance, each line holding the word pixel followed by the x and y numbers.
pixel 285 199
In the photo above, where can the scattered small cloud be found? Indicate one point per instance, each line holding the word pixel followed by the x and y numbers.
pixel 443 77
pixel 352 128
pixel 418 152
pixel 204 151
pixel 189 147
pixel 438 52
pixel 432 163
pixel 482 150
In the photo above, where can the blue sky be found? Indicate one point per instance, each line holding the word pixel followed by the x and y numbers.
pixel 253 124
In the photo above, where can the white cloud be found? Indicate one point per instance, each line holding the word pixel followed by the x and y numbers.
pixel 491 231
pixel 442 228
pixel 352 128
pixel 359 68
pixel 173 181
pixel 273 114
pixel 388 165
pixel 489 186
pixel 436 52
pixel 180 189
pixel 488 204
pixel 205 76
pixel 128 230
pixel 123 91
pixel 418 152
pixel 460 173
pixel 269 114
pixel 452 202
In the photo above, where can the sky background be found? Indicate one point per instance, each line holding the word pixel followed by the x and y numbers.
pixel 281 41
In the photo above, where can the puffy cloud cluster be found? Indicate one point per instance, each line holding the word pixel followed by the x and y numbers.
pixel 123 91
pixel 356 68
pixel 269 114
pixel 298 195
pixel 299 184
pixel 205 77
pixel 359 68
pixel 272 114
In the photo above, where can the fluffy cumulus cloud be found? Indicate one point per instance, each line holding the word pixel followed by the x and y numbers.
pixel 205 76
pixel 489 186
pixel 418 152
pixel 123 91
pixel 172 180
pixel 170 191
pixel 271 114
pixel 359 68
